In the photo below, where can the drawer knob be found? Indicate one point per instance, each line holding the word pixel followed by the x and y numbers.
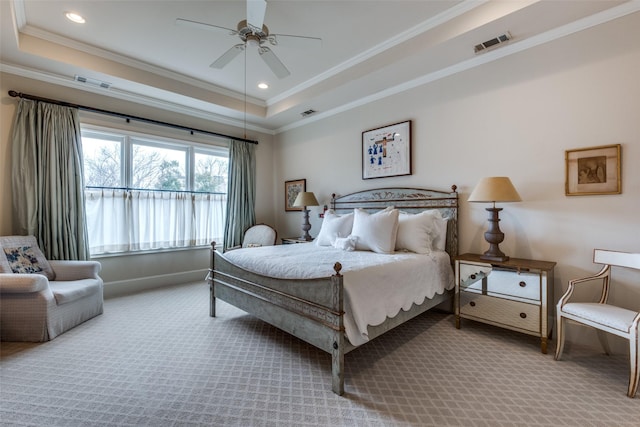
pixel 523 284
pixel 523 315
pixel 472 303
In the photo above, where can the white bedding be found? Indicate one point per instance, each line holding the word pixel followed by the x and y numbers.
pixel 376 286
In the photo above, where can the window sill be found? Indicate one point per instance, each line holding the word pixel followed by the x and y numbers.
pixel 151 251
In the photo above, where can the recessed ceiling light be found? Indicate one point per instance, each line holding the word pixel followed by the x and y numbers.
pixel 263 86
pixel 74 17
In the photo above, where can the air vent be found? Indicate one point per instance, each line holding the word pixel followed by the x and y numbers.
pixel 479 48
pixel 308 113
pixel 93 82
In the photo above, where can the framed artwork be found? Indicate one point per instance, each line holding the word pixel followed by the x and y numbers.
pixel 291 190
pixel 386 151
pixel 594 170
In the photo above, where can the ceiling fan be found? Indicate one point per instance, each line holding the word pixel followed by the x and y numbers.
pixel 253 32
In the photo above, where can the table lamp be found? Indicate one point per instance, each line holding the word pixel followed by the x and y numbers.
pixel 304 199
pixel 492 190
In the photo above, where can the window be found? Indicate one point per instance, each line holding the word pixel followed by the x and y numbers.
pixel 148 193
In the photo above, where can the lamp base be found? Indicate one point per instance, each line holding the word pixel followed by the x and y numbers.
pixel 491 257
pixel 306 226
pixel 494 236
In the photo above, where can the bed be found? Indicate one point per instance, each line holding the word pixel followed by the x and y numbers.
pixel 316 301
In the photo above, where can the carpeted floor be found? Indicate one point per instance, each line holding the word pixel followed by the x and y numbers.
pixel 158 359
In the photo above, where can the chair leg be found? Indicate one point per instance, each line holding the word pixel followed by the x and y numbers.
pixel 634 373
pixel 560 338
pixel 602 337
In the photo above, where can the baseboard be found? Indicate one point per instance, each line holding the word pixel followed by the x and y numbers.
pixel 120 288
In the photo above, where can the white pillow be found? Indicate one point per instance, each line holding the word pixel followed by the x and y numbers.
pixel 421 233
pixel 334 226
pixel 375 232
pixel 440 242
pixel 345 243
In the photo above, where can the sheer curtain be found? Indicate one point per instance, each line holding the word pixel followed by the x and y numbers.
pixel 123 220
pixel 47 179
pixel 241 192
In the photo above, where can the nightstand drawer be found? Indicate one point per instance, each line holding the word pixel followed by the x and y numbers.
pixel 471 274
pixel 514 314
pixel 505 283
pixel 510 283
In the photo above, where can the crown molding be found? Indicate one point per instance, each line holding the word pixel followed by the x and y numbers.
pixel 123 95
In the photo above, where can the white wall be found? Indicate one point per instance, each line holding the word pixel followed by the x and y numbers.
pixel 123 274
pixel 515 117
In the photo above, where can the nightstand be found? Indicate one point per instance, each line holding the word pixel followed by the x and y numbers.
pixel 292 240
pixel 516 294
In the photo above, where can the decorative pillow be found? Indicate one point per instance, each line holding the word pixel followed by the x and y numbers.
pixel 345 243
pixel 421 233
pixel 20 254
pixel 375 232
pixel 22 260
pixel 334 226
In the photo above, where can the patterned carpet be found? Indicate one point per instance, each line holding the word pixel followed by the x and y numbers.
pixel 158 359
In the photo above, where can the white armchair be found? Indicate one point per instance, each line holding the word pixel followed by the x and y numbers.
pixel 41 299
pixel 601 315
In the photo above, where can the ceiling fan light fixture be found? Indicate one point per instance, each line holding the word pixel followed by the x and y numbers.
pixel 253 40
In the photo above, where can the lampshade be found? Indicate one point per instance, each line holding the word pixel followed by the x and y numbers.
pixel 494 189
pixel 306 198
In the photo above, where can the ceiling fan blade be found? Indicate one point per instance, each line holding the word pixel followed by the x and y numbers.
pixel 273 62
pixel 227 56
pixel 203 26
pixel 289 40
pixel 255 13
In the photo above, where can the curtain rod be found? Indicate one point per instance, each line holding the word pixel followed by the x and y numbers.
pixel 15 94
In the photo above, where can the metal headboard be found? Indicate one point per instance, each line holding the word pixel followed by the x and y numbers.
pixel 412 200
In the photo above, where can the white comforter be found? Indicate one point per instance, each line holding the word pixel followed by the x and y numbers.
pixel 376 286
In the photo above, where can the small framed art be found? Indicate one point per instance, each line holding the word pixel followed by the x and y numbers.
pixel 291 190
pixel 386 151
pixel 594 170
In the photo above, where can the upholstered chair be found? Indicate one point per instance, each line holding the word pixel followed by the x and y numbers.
pixel 258 235
pixel 40 299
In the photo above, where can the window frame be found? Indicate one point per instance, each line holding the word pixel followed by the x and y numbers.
pixel 218 147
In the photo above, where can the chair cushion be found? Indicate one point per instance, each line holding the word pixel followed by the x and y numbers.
pixel 65 292
pixel 20 254
pixel 604 314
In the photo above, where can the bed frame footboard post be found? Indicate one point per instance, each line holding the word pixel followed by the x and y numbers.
pixel 337 347
pixel 212 299
pixel 337 364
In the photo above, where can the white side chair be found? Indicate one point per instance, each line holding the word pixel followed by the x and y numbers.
pixel 601 315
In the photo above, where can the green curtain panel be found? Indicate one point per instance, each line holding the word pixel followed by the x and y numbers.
pixel 241 192
pixel 47 179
